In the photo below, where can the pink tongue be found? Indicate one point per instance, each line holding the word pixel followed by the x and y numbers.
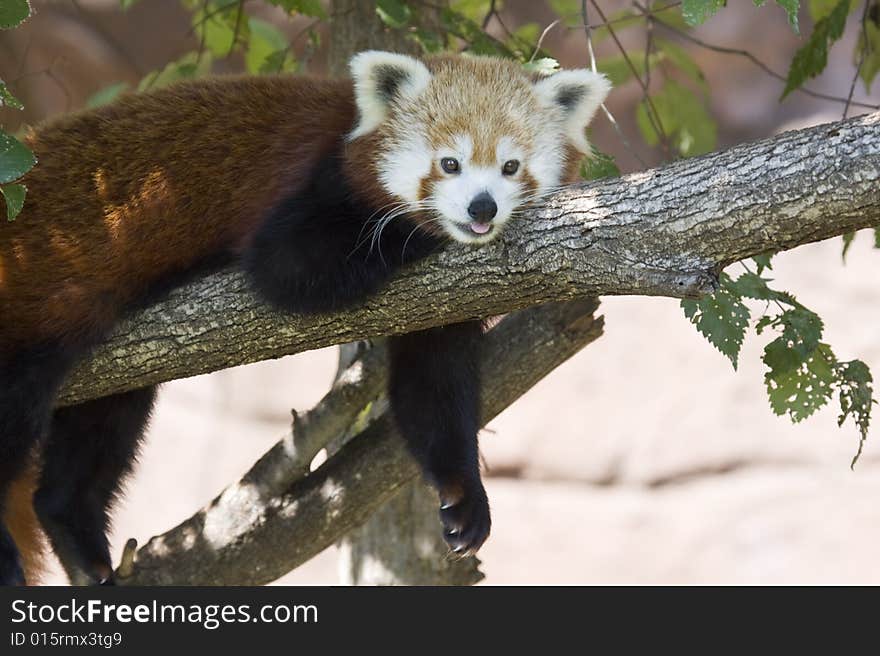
pixel 479 228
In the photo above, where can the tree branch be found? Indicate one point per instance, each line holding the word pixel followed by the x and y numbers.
pixel 666 231
pixel 254 532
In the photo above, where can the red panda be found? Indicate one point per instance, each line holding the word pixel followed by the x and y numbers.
pixel 320 190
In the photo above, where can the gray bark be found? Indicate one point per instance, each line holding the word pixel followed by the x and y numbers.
pixel 666 231
pixel 259 529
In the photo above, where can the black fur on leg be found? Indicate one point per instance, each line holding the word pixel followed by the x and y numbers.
pixel 29 384
pixel 91 448
pixel 315 252
pixel 434 388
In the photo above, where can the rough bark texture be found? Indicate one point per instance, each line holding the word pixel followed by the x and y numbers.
pixel 251 534
pixel 665 231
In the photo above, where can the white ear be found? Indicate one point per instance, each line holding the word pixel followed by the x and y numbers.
pixel 578 93
pixel 381 78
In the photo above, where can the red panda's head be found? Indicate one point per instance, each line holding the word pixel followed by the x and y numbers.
pixel 463 143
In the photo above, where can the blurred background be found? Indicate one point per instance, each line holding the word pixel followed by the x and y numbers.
pixel 645 458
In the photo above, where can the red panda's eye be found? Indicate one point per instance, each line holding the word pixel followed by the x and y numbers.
pixel 510 167
pixel 450 165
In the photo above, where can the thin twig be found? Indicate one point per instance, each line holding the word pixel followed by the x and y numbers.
pixel 605 110
pixel 745 53
pixel 863 53
pixel 488 17
pixel 204 36
pixel 651 110
pixel 238 14
pixel 541 38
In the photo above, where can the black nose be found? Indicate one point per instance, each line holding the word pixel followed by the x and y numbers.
pixel 482 208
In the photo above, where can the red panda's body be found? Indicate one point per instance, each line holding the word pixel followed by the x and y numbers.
pixel 110 212
pixel 319 190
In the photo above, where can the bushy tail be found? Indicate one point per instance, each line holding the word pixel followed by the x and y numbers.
pixel 22 522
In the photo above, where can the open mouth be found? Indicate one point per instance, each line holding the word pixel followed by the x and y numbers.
pixel 475 229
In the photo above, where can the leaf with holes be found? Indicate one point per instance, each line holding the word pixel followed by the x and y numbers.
pixel 721 318
pixel 812 58
pixel 802 389
pixel 801 328
pixel 854 382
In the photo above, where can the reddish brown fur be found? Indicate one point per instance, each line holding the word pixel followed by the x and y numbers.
pixel 90 240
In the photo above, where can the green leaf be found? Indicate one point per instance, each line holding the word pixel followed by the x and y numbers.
pixel 684 119
pixel 848 239
pixel 566 9
pixel 722 318
pixel 15 158
pixel 13 13
pixel 478 42
pixel 871 63
pixel 763 262
pixel 682 60
pixel 393 13
pixel 215 25
pixel 476 9
pixel 819 9
pixel 618 71
pixel 14 195
pixel 265 39
pixel 801 329
pixel 854 382
pixel 280 61
pixel 750 285
pixel 543 66
pixel 697 12
pixel 188 66
pixel 622 20
pixel 812 58
pixel 800 390
pixel 599 165
pixel 125 5
pixel 106 95
pixel 7 99
pixel 430 41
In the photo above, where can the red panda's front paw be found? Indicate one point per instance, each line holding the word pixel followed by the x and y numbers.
pixel 464 513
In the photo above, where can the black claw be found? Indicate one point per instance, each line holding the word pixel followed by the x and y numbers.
pixel 467 521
